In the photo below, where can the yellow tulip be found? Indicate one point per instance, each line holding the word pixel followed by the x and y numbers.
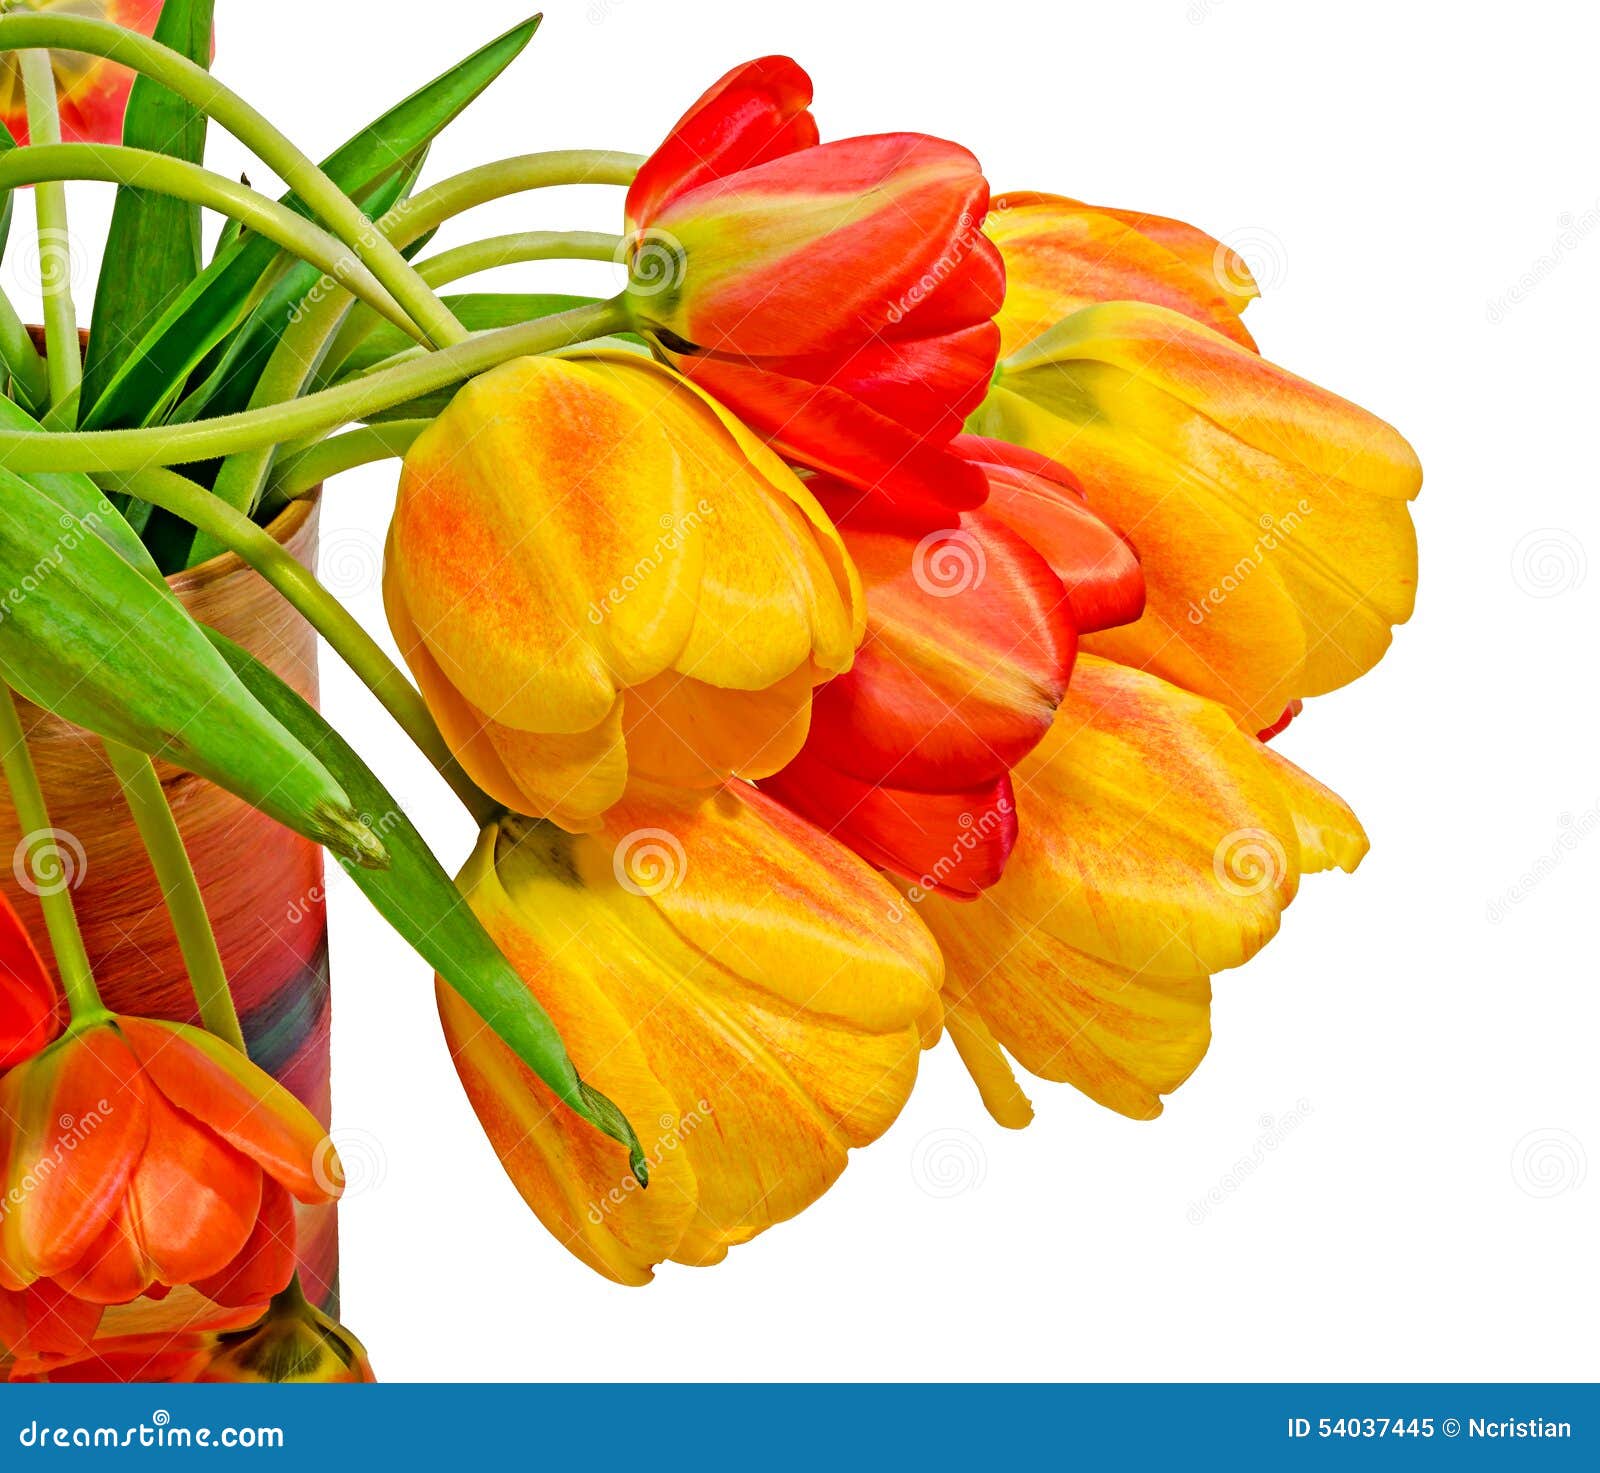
pixel 1270 516
pixel 1158 844
pixel 752 996
pixel 596 572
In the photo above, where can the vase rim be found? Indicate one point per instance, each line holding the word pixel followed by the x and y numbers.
pixel 282 529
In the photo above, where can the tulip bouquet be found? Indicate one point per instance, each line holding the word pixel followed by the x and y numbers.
pixel 868 625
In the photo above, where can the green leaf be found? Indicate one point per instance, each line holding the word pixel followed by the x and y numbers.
pixel 153 250
pixel 154 374
pixel 420 900
pixel 86 633
pixel 230 373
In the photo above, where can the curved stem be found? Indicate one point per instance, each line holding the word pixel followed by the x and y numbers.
pixel 414 217
pixel 257 547
pixel 64 360
pixel 60 919
pixel 508 250
pixel 302 471
pixel 195 84
pixel 211 439
pixel 152 816
pixel 157 172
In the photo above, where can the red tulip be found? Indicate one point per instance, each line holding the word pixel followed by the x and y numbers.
pixel 91 92
pixel 971 634
pixel 30 1006
pixel 838 297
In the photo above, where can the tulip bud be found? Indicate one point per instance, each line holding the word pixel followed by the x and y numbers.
pixel 88 636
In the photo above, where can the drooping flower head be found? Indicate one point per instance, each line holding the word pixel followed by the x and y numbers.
pixel 836 296
pixel 139 1156
pixel 751 994
pixel 596 572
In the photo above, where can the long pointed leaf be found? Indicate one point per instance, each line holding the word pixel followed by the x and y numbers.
pixel 154 374
pixel 419 899
pixel 153 250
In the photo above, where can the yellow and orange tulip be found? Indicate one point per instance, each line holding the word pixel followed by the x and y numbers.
pixel 91 92
pixel 747 991
pixel 1270 516
pixel 1159 843
pixel 596 572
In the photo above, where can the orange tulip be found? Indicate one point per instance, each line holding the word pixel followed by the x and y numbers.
pixel 744 988
pixel 139 1156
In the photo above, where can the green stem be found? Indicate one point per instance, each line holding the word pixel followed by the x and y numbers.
pixel 413 218
pixel 302 471
pixel 234 530
pixel 152 816
pixel 60 919
pixel 196 85
pixel 315 414
pixel 64 360
pixel 46 165
pixel 508 250
pixel 29 376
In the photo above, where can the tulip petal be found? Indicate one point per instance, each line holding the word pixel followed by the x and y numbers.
pixel 997 1085
pixel 1061 254
pixel 687 734
pixel 969 649
pixel 546 493
pixel 759 887
pixel 81 1121
pixel 1043 502
pixel 189 1209
pixel 956 843
pixel 219 1087
pixel 266 1263
pixel 824 427
pixel 1122 1037
pixel 43 1320
pixel 758 111
pixel 1270 516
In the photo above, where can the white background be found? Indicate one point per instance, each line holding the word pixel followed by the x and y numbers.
pixel 1402 1087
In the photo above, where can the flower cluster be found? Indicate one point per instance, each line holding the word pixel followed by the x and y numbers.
pixel 906 725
